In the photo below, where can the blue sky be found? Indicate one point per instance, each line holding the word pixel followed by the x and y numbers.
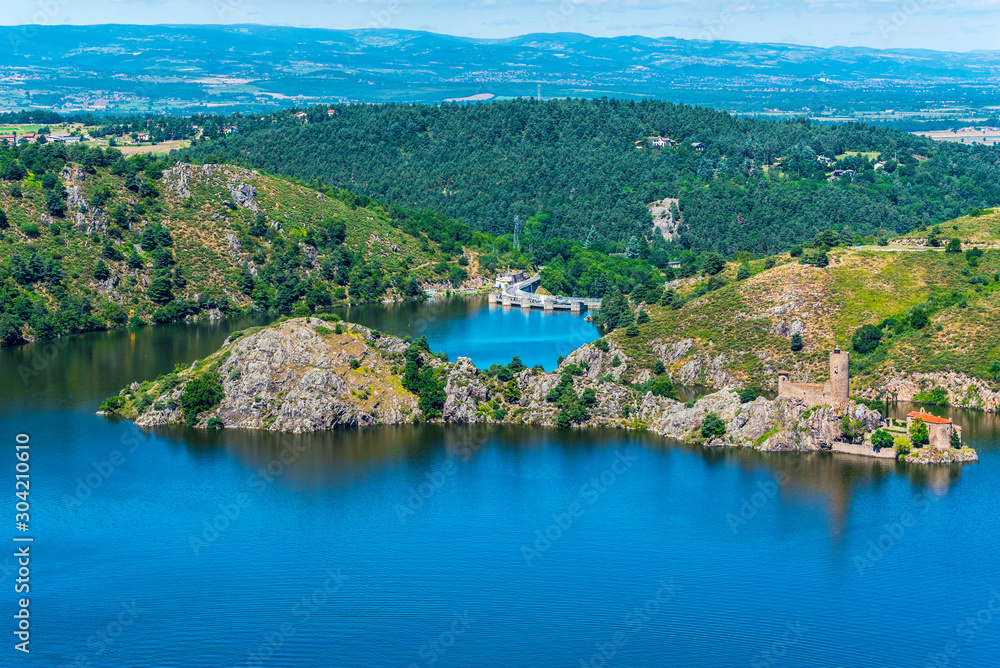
pixel 958 25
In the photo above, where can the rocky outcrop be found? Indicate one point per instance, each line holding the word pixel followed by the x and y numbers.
pixel 244 195
pixel 178 180
pixel 300 376
pixel 964 391
pixel 779 424
pixel 464 392
pixel 309 374
pixel 940 456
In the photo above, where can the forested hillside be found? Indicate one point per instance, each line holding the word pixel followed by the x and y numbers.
pixel 90 240
pixel 572 166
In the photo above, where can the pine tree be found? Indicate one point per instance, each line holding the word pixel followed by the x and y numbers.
pixel 101 272
pixel 134 260
pixel 245 281
pixel 632 251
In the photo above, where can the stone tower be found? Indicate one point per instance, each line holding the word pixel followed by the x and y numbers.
pixel 840 382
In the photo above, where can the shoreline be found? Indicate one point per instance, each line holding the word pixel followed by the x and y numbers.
pixel 312 374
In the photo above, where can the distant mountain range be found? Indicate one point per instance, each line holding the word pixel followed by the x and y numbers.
pixel 127 68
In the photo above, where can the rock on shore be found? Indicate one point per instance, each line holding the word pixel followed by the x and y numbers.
pixel 309 374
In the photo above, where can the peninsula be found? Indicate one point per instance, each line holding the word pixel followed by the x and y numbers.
pixel 310 373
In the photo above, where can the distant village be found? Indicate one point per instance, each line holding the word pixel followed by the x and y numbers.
pixel 69 138
pixel 655 141
pixel 33 138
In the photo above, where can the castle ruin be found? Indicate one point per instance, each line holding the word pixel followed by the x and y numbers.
pixel 834 393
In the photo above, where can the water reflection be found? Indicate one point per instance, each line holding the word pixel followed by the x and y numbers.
pixel 345 457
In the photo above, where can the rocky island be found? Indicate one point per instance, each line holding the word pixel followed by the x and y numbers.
pixel 310 373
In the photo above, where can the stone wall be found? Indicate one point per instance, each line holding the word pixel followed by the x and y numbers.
pixel 834 393
pixel 812 394
pixel 939 435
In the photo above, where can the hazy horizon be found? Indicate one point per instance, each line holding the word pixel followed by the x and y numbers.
pixel 961 26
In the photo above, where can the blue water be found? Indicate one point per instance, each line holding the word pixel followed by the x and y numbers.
pixel 420 546
pixel 487 334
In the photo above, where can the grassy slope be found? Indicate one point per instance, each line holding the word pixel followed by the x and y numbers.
pixel 741 319
pixel 199 227
pixel 975 230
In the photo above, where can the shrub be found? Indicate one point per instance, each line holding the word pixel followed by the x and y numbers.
pixel 769 262
pixel 112 404
pixel 201 394
pixel 712 426
pixel 851 428
pixel 918 434
pixel 420 380
pixel 954 246
pixel 642 318
pixel 632 331
pixel 956 440
pixel 713 264
pixel 616 361
pixel 215 423
pixel 901 445
pixel 660 386
pixel 142 402
pixel 747 395
pixel 355 363
pixel 743 273
pixel 564 386
pixel 881 439
pixel 866 339
pixel 796 342
pixel 918 319
pixel 601 344
pixel 936 395
pixel 511 393
pixel 658 368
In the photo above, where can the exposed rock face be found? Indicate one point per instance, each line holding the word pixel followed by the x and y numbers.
pixel 296 378
pixel 663 217
pixel 464 391
pixel 301 375
pixel 178 180
pixel 963 391
pixel 244 195
pixel 941 456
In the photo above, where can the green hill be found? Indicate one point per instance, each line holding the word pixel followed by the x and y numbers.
pixel 932 313
pixel 980 228
pixel 573 167
pixel 90 240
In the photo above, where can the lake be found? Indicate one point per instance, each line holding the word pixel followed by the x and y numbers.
pixel 470 546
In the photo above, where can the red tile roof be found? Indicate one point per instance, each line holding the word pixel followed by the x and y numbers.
pixel 924 417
